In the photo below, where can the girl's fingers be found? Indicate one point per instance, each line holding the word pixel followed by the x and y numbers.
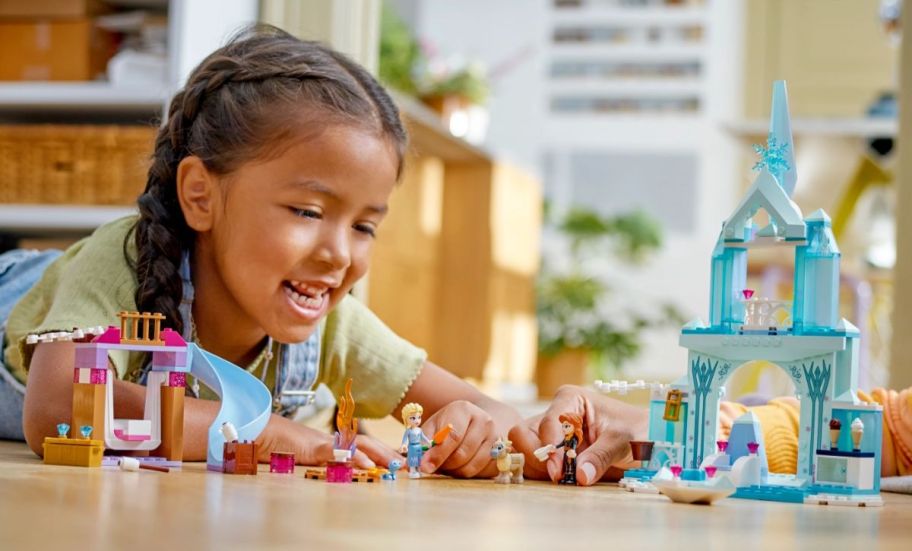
pixel 551 433
pixel 362 461
pixel 479 429
pixel 376 450
pixel 435 457
pixel 481 465
pixel 526 440
pixel 591 464
pixel 313 452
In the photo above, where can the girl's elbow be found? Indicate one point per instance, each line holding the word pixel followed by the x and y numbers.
pixel 32 424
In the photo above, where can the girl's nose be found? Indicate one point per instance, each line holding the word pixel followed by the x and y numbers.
pixel 335 250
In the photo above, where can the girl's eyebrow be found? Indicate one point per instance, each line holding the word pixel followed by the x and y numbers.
pixel 319 188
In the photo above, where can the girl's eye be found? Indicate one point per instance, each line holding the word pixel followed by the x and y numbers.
pixel 366 229
pixel 307 213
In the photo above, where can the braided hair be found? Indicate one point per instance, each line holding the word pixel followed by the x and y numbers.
pixel 263 87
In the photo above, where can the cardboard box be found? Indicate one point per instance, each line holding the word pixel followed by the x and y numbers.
pixel 51 8
pixel 71 49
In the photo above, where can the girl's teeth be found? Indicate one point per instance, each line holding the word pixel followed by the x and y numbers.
pixel 303 289
pixel 306 301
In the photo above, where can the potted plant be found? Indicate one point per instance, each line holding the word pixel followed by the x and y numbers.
pixel 453 86
pixel 582 332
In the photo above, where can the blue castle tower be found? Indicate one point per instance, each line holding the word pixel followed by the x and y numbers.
pixel 805 337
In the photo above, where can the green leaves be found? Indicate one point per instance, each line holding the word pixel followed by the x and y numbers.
pixel 405 66
pixel 635 235
pixel 399 53
pixel 575 306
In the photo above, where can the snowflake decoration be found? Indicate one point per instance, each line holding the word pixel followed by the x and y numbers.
pixel 773 157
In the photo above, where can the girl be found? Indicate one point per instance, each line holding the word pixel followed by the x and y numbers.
pixel 268 184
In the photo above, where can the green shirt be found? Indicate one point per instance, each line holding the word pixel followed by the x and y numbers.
pixel 92 281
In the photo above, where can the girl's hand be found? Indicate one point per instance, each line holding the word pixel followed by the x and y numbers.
pixel 313 447
pixel 608 426
pixel 466 453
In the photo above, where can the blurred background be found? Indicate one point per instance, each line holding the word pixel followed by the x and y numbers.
pixel 572 160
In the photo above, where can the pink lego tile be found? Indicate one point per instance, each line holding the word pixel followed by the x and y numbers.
pixel 282 462
pixel 177 378
pixel 339 472
pixel 91 356
pixel 111 336
pixel 171 337
pixel 131 437
pixel 169 359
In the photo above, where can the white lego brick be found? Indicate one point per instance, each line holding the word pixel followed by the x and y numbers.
pixel 844 500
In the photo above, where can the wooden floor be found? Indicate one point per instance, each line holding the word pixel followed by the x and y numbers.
pixel 47 507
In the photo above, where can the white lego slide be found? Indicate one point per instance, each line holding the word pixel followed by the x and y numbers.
pixel 246 402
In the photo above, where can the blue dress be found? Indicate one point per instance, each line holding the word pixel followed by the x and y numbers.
pixel 415 438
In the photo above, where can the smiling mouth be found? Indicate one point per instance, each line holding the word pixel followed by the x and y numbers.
pixel 306 296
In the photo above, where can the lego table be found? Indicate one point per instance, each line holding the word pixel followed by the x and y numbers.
pixel 49 507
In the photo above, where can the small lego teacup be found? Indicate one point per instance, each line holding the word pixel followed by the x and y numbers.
pixel 543 452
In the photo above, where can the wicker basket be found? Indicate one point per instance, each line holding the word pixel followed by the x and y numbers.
pixel 74 164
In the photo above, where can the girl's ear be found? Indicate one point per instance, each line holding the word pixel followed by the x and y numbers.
pixel 196 192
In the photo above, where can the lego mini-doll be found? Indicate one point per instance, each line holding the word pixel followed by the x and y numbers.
pixel 413 440
pixel 572 427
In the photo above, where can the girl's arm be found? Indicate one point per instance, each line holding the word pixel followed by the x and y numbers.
pixel 477 421
pixel 49 399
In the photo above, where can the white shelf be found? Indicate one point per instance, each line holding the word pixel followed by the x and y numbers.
pixel 100 96
pixel 862 127
pixel 624 87
pixel 630 53
pixel 37 219
pixel 627 17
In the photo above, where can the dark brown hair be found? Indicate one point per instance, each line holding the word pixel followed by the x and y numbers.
pixel 263 87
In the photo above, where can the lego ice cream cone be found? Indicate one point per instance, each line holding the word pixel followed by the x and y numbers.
pixel 835 429
pixel 857 433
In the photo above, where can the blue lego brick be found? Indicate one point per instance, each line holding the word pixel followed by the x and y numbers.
pixel 707 331
pixel 697 475
pixel 640 474
pixel 785 494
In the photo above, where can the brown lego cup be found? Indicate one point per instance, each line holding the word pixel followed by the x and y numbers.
pixel 642 450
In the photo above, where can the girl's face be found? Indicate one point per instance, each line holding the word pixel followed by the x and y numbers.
pixel 568 428
pixel 295 231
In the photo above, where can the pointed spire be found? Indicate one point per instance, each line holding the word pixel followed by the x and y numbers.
pixel 780 134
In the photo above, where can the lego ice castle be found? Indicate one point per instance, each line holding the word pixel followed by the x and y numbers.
pixel 839 441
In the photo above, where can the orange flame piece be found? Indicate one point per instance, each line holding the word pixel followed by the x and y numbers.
pixel 346 423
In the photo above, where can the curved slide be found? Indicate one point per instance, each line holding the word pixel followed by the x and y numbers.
pixel 246 402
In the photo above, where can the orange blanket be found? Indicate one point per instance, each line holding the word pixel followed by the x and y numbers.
pixel 779 420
